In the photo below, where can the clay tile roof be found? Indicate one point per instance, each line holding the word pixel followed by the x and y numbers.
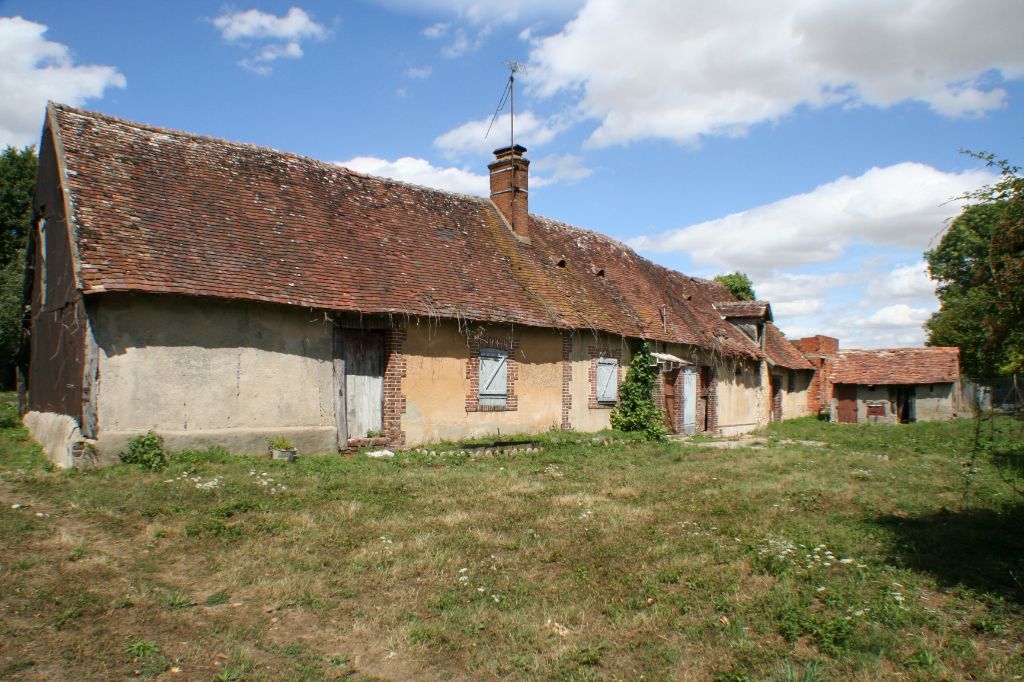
pixel 165 211
pixel 781 351
pixel 896 366
pixel 744 309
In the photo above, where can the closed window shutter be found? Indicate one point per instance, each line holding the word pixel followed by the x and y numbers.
pixel 607 380
pixel 493 376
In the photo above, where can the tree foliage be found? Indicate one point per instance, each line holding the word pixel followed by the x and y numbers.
pixel 979 267
pixel 739 284
pixel 17 186
pixel 636 410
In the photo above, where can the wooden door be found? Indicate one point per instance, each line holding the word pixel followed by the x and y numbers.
pixel 689 400
pixel 359 377
pixel 671 405
pixel 846 394
pixel 776 407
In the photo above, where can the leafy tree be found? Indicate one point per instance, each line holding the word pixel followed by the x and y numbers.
pixel 17 186
pixel 636 410
pixel 979 268
pixel 739 284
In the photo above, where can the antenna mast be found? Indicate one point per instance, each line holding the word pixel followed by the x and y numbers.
pixel 510 94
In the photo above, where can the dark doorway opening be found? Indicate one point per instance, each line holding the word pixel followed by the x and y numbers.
pixel 905 408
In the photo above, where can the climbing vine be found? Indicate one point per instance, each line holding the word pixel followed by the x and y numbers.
pixel 636 410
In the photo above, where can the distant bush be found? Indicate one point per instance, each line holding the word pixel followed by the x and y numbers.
pixel 147 451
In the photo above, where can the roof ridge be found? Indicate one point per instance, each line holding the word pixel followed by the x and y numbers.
pixel 879 350
pixel 326 165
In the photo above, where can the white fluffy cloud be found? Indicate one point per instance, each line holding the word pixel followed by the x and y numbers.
pixel 469 138
pixel 282 36
pixel 251 24
pixel 905 205
pixel 421 172
pixel 905 282
pixel 680 70
pixel 547 171
pixel 557 168
pixel 36 70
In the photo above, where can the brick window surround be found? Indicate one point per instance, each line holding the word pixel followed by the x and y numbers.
pixel 473 374
pixel 566 380
pixel 596 353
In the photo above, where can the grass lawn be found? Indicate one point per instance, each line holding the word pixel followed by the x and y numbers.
pixel 855 558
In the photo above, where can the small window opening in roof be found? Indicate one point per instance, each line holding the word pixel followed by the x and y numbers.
pixel 561 262
pixel 600 273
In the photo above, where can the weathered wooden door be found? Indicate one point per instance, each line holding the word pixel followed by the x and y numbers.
pixel 776 408
pixel 846 394
pixel 689 400
pixel 359 378
pixel 671 406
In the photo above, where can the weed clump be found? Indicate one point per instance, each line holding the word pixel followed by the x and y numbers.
pixel 147 451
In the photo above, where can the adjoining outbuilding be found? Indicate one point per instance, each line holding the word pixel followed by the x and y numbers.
pixel 883 386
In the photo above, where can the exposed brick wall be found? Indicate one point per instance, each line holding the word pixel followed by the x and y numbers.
pixel 473 374
pixel 394 398
pixel 566 424
pixel 595 353
pixel 818 389
pixel 819 345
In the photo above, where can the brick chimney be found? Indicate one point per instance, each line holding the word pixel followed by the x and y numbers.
pixel 510 188
pixel 817 345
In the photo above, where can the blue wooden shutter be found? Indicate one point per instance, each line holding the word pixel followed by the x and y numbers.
pixel 607 380
pixel 493 376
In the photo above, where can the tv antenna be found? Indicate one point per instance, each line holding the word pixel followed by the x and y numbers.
pixel 508 95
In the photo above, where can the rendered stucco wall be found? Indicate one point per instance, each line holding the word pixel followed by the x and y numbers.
pixel 795 403
pixel 204 373
pixel 436 383
pixel 866 394
pixel 742 404
pixel 934 402
pixel 582 416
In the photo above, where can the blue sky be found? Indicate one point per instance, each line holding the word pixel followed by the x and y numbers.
pixel 812 145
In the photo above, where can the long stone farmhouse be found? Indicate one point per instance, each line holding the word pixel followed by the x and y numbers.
pixel 221 293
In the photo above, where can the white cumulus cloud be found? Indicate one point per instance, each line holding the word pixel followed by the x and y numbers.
pixel 685 69
pixel 421 172
pixel 281 36
pixel 36 70
pixel 251 24
pixel 905 205
pixel 469 138
pixel 906 282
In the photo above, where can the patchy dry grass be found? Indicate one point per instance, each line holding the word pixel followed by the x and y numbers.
pixel 582 561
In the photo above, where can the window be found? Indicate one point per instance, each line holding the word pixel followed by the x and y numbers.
pixel 493 376
pixel 792 382
pixel 607 380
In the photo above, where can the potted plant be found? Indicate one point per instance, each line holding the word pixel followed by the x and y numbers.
pixel 281 448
